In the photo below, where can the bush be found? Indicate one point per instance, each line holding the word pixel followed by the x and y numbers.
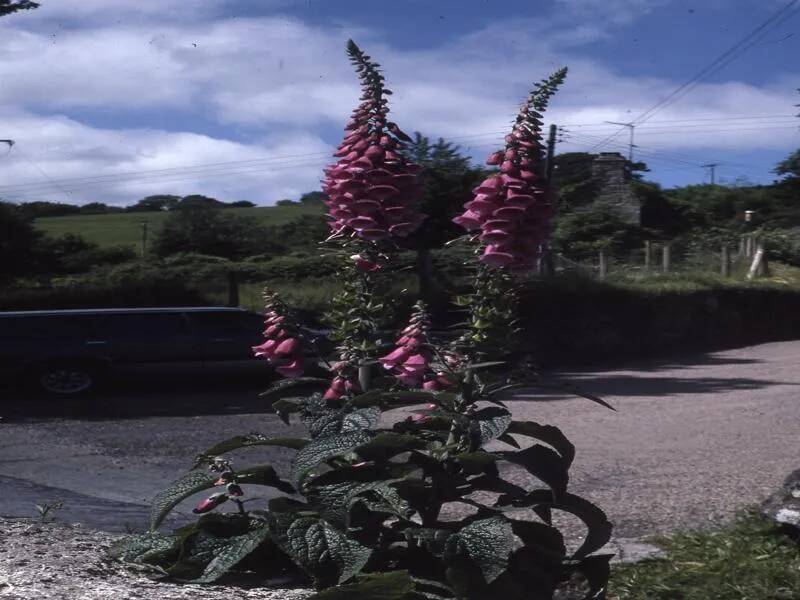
pixel 214 232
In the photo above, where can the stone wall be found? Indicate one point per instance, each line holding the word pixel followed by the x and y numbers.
pixel 608 169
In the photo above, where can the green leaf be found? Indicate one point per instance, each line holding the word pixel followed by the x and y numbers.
pixel 329 422
pixel 183 487
pixel 492 421
pixel 485 365
pixel 152 547
pixel 550 435
pixel 325 448
pixel 397 398
pixel 561 386
pixel 476 463
pixel 486 544
pixel 543 463
pixel 235 549
pixel 387 444
pixel 197 481
pixel 336 500
pixel 264 475
pixel 325 553
pixel 245 441
pixel 433 540
pixel 287 406
pixel 597 524
pixel 288 384
pixel 396 585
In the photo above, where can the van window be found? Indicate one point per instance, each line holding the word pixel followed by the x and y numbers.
pixel 227 323
pixel 153 325
pixel 47 326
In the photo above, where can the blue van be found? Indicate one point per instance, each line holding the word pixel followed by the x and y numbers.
pixel 70 351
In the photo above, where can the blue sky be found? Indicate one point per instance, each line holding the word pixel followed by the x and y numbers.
pixel 245 99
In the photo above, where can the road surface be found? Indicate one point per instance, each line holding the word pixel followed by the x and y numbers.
pixel 691 441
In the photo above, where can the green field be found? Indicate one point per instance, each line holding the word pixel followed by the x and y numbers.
pixel 126 228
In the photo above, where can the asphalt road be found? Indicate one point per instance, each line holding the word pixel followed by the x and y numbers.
pixel 690 443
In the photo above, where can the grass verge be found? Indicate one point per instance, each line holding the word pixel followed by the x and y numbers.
pixel 747 560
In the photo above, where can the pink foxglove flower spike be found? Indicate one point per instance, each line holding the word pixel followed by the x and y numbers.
pixel 372 190
pixel 511 210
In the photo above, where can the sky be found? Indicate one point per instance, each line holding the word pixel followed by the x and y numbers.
pixel 113 100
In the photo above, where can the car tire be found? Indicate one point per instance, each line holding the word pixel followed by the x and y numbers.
pixel 67 378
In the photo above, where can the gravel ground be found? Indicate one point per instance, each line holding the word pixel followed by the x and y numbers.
pixel 690 443
pixel 56 561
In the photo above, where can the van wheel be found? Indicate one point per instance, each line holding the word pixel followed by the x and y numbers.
pixel 67 379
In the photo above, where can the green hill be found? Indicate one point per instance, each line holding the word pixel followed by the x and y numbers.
pixel 126 228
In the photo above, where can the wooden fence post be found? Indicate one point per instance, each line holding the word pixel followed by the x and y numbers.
pixel 603 264
pixel 725 269
pixel 740 254
pixel 665 257
pixel 233 289
pixel 647 255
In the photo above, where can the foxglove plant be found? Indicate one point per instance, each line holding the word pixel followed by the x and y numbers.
pixel 395 492
pixel 512 209
pixel 372 190
pixel 282 347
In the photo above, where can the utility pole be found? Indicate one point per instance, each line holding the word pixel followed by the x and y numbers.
pixel 712 167
pixel 630 127
pixel 551 153
pixel 144 238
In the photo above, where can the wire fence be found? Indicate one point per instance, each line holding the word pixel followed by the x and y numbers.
pixel 745 258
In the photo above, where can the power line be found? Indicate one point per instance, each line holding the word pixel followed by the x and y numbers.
pixel 725 58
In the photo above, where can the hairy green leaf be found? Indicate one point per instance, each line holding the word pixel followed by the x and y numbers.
pixel 543 463
pixel 550 435
pixel 288 384
pixel 396 585
pixel 486 544
pixel 476 463
pixel 183 487
pixel 597 524
pixel 325 448
pixel 433 540
pixel 152 547
pixel 197 481
pixel 232 553
pixel 336 500
pixel 387 444
pixel 245 441
pixel 325 553
pixel 492 421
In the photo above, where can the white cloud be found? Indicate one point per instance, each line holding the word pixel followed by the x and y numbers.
pixel 61 160
pixel 617 12
pixel 282 82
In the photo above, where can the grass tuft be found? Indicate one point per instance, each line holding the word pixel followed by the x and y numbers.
pixel 747 560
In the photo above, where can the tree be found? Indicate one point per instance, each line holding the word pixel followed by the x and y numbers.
pixel 448 179
pixel 18 243
pixel 98 208
pixel 157 202
pixel 790 167
pixel 212 231
pixel 241 204
pixel 11 6
pixel 195 201
pixel 312 198
pixel 285 202
pixel 581 234
pixel 36 210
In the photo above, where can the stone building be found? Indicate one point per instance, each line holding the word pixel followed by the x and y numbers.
pixel 614 190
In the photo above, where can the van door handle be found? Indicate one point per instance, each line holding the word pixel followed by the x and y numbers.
pixel 96 342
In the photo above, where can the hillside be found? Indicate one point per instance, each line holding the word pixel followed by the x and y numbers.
pixel 126 228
